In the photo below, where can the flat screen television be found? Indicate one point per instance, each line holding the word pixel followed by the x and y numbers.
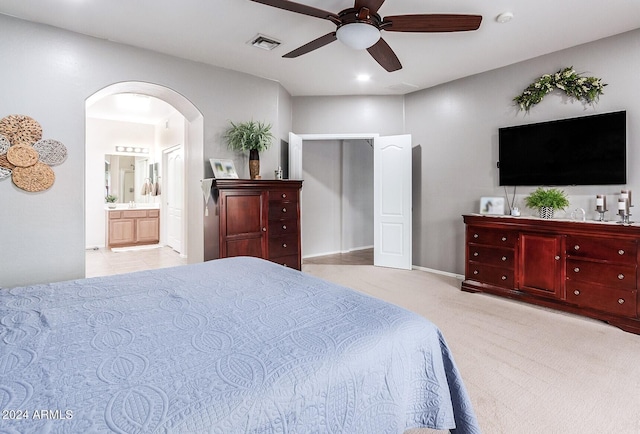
pixel 587 150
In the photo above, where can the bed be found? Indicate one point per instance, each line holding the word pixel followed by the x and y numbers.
pixel 237 345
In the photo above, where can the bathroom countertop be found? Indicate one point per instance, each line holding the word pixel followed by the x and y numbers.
pixel 122 206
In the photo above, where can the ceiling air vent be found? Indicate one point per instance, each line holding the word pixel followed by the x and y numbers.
pixel 264 42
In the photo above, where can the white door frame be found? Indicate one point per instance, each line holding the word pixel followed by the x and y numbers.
pixel 295 171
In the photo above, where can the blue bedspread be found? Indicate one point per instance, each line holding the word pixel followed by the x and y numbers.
pixel 236 345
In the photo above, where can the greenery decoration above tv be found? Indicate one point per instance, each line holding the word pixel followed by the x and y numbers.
pixel 586 89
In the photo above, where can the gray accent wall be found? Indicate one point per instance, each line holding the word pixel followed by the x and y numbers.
pixel 454 130
pixel 455 126
pixel 48 74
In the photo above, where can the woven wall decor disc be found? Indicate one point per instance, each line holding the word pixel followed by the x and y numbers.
pixel 4 144
pixel 20 129
pixel 51 152
pixel 4 173
pixel 5 163
pixel 38 177
pixel 22 156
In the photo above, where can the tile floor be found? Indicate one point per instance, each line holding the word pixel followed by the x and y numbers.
pixel 104 262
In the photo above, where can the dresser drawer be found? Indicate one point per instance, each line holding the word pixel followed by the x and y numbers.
pixel 131 214
pixel 283 246
pixel 612 275
pixel 614 301
pixel 493 275
pixel 283 227
pixel 282 210
pixel 290 261
pixel 492 255
pixel 283 195
pixel 605 249
pixel 493 237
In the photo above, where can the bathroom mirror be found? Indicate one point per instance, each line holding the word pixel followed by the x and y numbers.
pixel 126 176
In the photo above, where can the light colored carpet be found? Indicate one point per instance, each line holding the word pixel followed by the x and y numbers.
pixel 527 369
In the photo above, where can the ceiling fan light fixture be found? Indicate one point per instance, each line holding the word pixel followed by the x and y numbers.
pixel 358 36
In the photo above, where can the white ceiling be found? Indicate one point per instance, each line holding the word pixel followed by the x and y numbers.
pixel 217 32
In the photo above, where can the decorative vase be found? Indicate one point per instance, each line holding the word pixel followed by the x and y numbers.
pixel 111 205
pixel 546 212
pixel 254 164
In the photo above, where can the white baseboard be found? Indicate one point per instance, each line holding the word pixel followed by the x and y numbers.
pixel 443 273
pixel 337 252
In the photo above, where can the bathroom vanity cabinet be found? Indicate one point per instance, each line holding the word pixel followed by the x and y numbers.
pixel 132 227
pixel 586 268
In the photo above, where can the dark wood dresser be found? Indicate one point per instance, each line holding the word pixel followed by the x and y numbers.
pixel 258 218
pixel 586 268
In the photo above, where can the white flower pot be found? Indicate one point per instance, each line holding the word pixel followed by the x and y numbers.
pixel 546 212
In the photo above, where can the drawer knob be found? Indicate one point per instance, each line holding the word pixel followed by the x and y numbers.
pixel 620 300
pixel 576 292
pixel 284 227
pixel 284 195
pixel 577 270
pixel 284 210
pixel 475 235
pixel 576 247
pixel 504 277
pixel 475 271
pixel 620 252
pixel 504 238
pixel 264 229
pixel 475 253
pixel 504 258
pixel 620 276
pixel 556 257
pixel 284 245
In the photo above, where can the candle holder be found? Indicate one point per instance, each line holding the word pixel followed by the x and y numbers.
pixel 625 216
pixel 601 214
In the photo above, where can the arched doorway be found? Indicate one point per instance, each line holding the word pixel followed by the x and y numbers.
pixel 193 157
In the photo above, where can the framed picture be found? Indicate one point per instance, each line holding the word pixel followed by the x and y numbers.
pixel 492 205
pixel 223 168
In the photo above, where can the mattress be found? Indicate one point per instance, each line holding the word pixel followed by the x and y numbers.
pixel 237 345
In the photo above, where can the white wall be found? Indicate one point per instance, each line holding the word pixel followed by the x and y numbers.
pixel 455 128
pixel 321 197
pixel 357 195
pixel 348 114
pixel 53 72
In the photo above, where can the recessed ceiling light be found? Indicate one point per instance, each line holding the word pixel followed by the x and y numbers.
pixel 264 42
pixel 363 77
pixel 504 17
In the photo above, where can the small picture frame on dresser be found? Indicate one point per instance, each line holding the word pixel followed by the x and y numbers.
pixel 223 169
pixel 492 205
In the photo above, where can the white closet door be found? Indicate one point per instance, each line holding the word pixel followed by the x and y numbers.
pixel 295 156
pixel 392 201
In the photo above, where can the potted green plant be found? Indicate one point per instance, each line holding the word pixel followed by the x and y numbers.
pixel 251 136
pixel 547 201
pixel 111 200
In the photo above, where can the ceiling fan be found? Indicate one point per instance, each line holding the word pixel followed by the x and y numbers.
pixel 359 27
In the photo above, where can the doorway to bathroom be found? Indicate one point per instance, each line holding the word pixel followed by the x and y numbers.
pixel 151 120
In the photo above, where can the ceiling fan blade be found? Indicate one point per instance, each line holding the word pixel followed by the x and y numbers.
pixel 372 5
pixel 384 55
pixel 301 9
pixel 431 23
pixel 313 45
